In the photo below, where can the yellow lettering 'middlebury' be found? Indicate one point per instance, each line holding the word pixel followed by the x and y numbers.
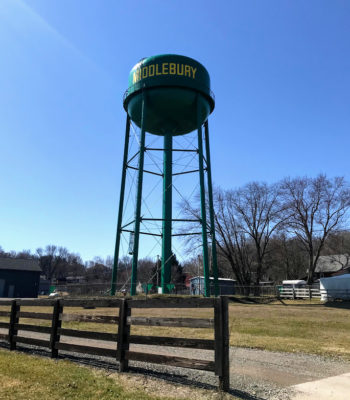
pixel 164 69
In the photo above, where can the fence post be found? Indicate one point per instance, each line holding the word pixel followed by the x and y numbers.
pixel 222 357
pixel 123 335
pixel 14 318
pixel 56 324
pixel 310 293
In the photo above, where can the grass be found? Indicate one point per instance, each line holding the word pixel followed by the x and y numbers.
pixel 27 377
pixel 135 330
pixel 292 326
pixel 24 377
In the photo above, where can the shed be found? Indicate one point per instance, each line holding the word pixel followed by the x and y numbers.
pixel 336 287
pixel 44 285
pixel 226 286
pixel 19 277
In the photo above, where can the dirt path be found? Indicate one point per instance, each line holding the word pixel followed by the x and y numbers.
pixel 282 369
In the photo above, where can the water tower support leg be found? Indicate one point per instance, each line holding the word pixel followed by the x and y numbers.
pixel 167 212
pixel 135 252
pixel 203 214
pixel 211 212
pixel 121 205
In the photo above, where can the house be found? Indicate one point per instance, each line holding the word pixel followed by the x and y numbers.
pixel 19 277
pixel 327 266
pixel 226 286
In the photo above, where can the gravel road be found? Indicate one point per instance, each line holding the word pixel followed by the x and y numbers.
pixel 254 374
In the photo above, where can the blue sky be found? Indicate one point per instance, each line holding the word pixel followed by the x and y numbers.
pixel 280 71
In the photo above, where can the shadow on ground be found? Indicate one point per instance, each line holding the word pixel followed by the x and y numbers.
pixel 112 366
pixel 338 304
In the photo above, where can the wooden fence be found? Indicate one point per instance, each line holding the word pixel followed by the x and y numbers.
pixel 122 337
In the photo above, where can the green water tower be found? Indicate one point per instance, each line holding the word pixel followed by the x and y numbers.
pixel 168 95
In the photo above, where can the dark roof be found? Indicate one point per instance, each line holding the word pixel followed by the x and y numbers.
pixel 18 264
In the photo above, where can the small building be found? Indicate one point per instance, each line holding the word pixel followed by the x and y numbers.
pixel 19 278
pixel 188 281
pixel 44 285
pixel 75 279
pixel 335 287
pixel 197 287
pixel 293 284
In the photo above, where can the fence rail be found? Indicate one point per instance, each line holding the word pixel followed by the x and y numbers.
pixel 123 320
pixel 254 290
pixel 299 293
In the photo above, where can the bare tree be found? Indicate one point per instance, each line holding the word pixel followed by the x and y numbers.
pixel 232 243
pixel 315 208
pixel 258 214
pixel 58 262
pixel 286 258
pixel 124 271
pixel 97 272
pixel 145 270
pixel 47 259
pixel 245 220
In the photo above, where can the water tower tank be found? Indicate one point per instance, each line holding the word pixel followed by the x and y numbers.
pixel 176 90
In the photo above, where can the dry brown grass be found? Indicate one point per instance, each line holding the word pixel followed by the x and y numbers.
pixel 24 377
pixel 152 386
pixel 293 327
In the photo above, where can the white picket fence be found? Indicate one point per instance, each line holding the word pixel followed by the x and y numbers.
pixel 299 293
